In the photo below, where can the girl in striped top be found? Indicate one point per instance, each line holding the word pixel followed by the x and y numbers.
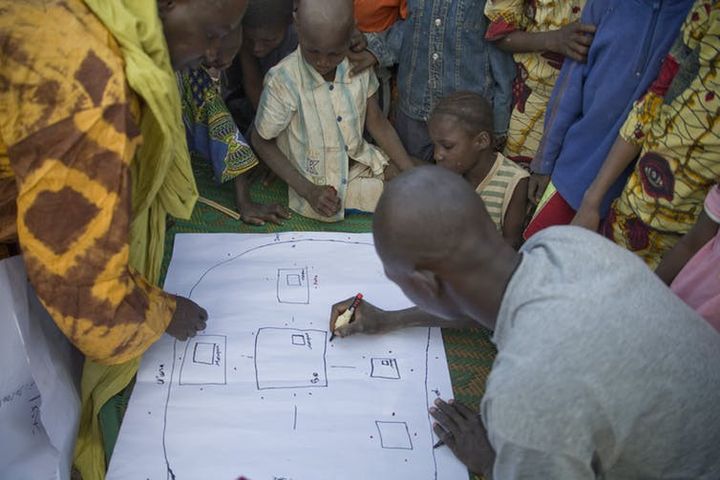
pixel 461 128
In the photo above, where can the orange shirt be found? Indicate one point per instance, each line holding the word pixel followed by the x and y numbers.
pixel 378 15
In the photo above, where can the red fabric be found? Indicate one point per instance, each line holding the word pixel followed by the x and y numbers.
pixel 499 29
pixel 667 73
pixel 555 212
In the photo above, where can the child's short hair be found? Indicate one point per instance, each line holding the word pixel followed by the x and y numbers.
pixel 264 13
pixel 472 111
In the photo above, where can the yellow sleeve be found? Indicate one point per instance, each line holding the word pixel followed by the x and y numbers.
pixel 506 16
pixel 66 119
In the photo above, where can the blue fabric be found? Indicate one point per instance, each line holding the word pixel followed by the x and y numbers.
pixel 464 60
pixel 591 101
pixel 211 131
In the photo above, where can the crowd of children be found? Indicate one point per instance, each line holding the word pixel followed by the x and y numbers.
pixel 603 114
pixel 540 105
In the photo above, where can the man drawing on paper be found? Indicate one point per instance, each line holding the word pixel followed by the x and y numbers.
pixel 590 381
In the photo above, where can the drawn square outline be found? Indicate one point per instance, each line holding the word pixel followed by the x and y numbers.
pixel 394 435
pixel 298 340
pixel 204 352
pixel 316 374
pixel 384 368
pixel 293 286
pixel 193 372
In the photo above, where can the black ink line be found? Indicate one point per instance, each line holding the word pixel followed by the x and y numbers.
pixel 170 473
pixel 427 401
pixel 33 399
pixel 273 244
pixel 295 419
pixel 322 356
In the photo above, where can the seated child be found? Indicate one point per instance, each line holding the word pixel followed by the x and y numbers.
pixel 268 37
pixel 311 117
pixel 692 267
pixel 461 128
pixel 213 135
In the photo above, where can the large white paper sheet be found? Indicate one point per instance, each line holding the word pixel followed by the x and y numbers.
pixel 262 393
pixel 39 391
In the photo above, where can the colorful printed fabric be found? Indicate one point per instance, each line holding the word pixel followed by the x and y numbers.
pixel 319 127
pixel 69 128
pixel 498 187
pixel 676 124
pixel 211 131
pixel 698 284
pixel 536 72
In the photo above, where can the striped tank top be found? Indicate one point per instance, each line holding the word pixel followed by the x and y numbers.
pixel 498 187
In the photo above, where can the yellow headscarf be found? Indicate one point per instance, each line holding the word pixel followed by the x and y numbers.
pixel 163 184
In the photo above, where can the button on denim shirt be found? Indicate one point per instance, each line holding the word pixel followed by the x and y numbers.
pixel 440 49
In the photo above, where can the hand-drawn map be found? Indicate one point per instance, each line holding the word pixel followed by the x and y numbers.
pixel 262 393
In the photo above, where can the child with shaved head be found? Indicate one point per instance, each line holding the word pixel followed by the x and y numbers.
pixel 312 114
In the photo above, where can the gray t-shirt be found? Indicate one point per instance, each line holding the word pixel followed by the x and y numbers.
pixel 601 371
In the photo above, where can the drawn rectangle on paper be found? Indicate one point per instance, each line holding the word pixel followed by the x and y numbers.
pixel 384 368
pixel 394 435
pixel 293 286
pixel 204 353
pixel 290 358
pixel 204 361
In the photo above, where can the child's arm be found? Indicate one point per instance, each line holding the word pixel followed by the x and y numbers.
pixel 620 156
pixel 385 135
pixel 256 213
pixel 674 260
pixel 514 220
pixel 251 76
pixel 322 198
pixel 572 41
pixel 702 232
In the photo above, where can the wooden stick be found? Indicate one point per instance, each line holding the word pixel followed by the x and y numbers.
pixel 220 208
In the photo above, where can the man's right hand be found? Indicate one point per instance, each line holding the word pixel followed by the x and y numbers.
pixel 536 187
pixel 189 318
pixel 367 318
pixel 324 200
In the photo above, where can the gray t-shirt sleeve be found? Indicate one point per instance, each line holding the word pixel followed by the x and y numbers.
pixel 517 462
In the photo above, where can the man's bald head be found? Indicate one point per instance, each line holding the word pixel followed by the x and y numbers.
pixel 429 217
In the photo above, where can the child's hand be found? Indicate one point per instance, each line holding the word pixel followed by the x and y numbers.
pixel 358 42
pixel 536 187
pixel 259 213
pixel 324 200
pixel 573 41
pixel 361 61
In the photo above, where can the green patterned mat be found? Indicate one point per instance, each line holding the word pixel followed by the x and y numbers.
pixel 469 352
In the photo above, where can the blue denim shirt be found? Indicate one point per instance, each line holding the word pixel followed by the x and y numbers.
pixel 440 49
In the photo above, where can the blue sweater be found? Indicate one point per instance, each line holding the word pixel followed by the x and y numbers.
pixel 591 101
